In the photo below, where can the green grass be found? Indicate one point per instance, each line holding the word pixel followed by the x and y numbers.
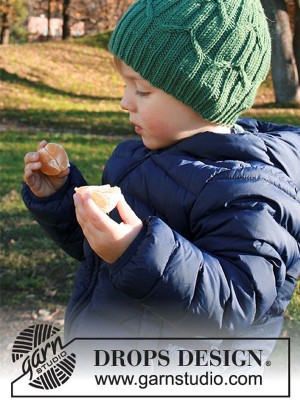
pixel 31 264
pixel 285 116
pixel 68 93
pixel 62 86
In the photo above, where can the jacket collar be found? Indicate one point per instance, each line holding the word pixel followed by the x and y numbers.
pixel 217 146
pixel 271 144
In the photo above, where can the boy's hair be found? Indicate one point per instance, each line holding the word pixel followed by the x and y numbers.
pixel 210 54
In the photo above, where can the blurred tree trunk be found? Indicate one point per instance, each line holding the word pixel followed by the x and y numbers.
pixel 5 28
pixel 284 67
pixel 297 35
pixel 12 14
pixel 49 20
pixel 98 15
pixel 66 31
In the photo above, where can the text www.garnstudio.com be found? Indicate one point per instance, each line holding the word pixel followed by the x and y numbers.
pixel 207 379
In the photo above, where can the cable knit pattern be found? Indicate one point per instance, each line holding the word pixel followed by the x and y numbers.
pixel 210 54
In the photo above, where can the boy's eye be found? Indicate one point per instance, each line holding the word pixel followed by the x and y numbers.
pixel 141 94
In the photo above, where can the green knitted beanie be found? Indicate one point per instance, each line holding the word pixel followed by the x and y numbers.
pixel 210 54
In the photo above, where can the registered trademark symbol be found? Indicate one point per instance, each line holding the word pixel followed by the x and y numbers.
pixel 268 363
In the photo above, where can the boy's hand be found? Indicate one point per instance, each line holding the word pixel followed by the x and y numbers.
pixel 40 184
pixel 106 237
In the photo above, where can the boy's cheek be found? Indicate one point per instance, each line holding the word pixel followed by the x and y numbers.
pixel 155 129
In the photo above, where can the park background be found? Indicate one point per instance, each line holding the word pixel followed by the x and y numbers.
pixel 68 91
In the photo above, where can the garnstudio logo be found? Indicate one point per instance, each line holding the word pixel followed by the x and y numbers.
pixel 43 357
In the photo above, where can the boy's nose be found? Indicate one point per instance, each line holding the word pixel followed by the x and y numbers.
pixel 127 103
pixel 123 104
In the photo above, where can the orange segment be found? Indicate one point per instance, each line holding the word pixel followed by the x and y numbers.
pixel 54 159
pixel 106 197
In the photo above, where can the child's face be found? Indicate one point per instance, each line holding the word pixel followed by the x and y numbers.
pixel 159 118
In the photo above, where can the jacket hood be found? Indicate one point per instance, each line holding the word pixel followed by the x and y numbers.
pixel 272 144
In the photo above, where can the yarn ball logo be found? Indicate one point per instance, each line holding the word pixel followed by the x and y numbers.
pixel 43 357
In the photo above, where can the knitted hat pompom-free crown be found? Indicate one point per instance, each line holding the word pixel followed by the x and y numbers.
pixel 210 54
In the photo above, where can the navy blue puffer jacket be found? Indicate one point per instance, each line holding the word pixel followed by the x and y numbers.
pixel 219 252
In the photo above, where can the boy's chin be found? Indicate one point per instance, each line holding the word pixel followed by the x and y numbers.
pixel 148 144
pixel 153 145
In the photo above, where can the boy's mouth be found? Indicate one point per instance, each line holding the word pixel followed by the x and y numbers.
pixel 138 129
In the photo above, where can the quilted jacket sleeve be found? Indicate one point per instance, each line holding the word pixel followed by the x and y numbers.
pixel 56 214
pixel 231 274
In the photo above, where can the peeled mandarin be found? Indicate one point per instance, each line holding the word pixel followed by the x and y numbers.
pixel 54 159
pixel 106 197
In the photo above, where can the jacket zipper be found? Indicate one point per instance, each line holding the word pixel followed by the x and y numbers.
pixel 138 163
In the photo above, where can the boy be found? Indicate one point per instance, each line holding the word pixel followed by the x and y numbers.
pixel 207 241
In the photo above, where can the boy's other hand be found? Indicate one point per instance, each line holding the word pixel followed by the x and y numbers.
pixel 106 237
pixel 40 184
